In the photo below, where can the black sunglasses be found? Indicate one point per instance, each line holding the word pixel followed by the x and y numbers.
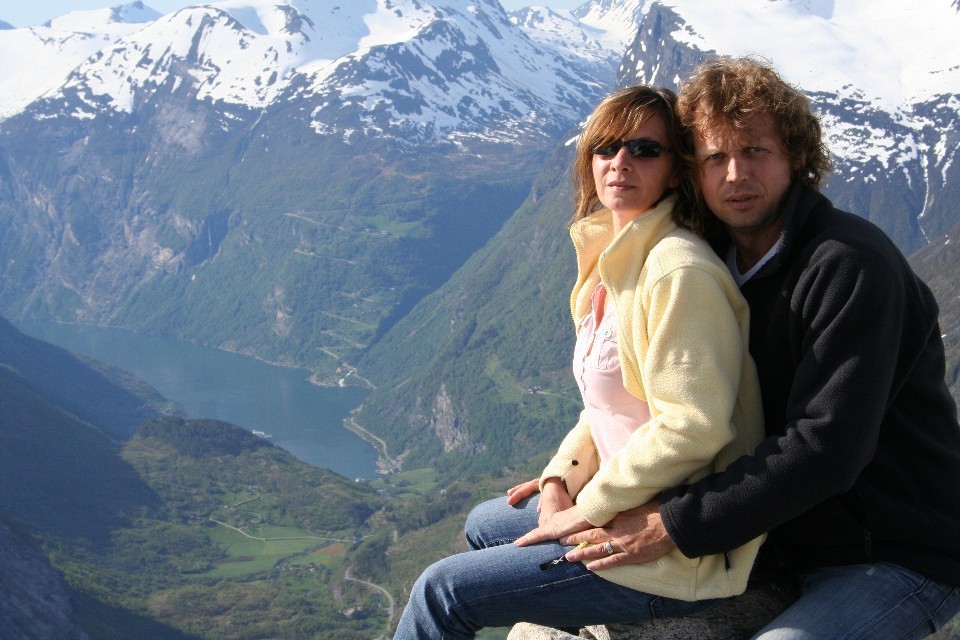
pixel 640 148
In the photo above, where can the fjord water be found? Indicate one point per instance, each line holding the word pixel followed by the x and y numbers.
pixel 303 418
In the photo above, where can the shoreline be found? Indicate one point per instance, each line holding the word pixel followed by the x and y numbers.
pixel 313 376
pixel 386 464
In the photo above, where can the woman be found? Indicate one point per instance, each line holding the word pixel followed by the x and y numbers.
pixel 670 394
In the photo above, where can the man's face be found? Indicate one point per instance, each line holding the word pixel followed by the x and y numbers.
pixel 744 177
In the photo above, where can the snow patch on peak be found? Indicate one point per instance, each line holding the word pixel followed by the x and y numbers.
pixel 99 20
pixel 821 8
pixel 275 19
pixel 617 20
pixel 887 52
pixel 35 61
pixel 461 70
pixel 543 19
pixel 567 35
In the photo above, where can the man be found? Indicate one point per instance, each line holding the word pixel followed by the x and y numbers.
pixel 858 481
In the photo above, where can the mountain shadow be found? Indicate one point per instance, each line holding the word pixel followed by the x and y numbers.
pixel 73 384
pixel 62 475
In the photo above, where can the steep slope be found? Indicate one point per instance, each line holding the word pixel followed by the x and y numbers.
pixel 60 475
pixel 35 603
pixel 493 389
pixel 938 264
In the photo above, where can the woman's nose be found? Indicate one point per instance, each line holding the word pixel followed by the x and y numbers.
pixel 622 159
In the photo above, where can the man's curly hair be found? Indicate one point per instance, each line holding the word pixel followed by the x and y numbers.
pixel 728 93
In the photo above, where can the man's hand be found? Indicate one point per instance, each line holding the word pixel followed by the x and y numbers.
pixel 637 536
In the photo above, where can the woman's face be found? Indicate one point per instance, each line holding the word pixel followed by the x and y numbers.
pixel 629 186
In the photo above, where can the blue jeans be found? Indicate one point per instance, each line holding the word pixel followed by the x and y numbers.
pixel 498 584
pixel 867 601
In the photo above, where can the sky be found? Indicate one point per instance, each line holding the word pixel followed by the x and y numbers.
pixel 30 13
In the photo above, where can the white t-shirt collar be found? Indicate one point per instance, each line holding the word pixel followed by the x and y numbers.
pixel 740 278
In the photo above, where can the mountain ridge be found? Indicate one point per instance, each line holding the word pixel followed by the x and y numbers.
pixel 254 54
pixel 156 210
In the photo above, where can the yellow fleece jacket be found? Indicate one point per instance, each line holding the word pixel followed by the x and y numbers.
pixel 683 345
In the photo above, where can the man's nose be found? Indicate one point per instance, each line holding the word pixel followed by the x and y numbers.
pixel 736 169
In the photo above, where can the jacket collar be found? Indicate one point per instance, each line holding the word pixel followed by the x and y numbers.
pixel 617 260
pixel 593 235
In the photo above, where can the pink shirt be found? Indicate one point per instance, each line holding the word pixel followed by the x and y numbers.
pixel 612 412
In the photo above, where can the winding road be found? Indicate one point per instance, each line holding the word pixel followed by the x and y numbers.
pixel 391 603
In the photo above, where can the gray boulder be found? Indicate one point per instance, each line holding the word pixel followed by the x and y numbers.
pixel 730 619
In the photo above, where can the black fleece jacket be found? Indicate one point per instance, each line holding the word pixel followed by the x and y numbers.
pixel 862 458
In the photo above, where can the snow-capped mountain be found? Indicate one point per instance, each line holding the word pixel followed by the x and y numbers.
pixel 883 74
pixel 206 151
pixel 416 68
pixel 38 60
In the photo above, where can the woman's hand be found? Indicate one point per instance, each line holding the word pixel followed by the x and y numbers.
pixel 523 490
pixel 553 499
pixel 556 526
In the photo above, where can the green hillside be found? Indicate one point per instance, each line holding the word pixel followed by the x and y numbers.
pixel 264 239
pixel 476 377
pixel 195 529
pixel 191 529
pixel 47 462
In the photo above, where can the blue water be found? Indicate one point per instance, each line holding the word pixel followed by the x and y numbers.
pixel 303 418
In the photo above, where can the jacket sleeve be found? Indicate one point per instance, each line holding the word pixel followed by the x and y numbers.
pixel 690 375
pixel 576 460
pixel 845 329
